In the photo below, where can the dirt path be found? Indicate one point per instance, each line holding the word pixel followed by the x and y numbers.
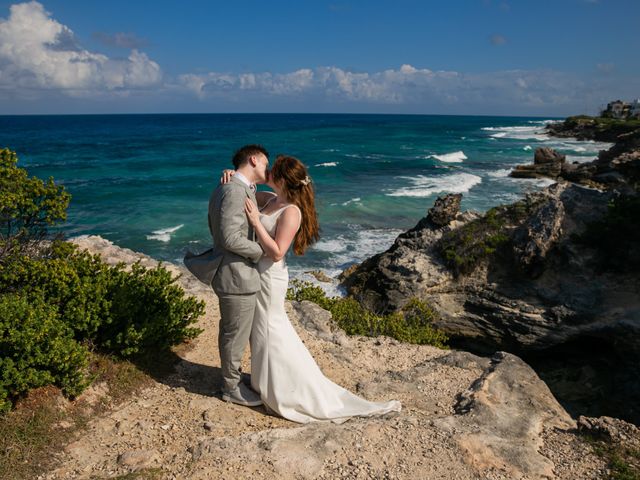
pixel 180 428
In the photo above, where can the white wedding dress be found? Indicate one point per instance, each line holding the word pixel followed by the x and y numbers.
pixel 283 371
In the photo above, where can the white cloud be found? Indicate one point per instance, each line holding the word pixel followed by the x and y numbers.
pixel 36 51
pixel 407 85
pixel 388 86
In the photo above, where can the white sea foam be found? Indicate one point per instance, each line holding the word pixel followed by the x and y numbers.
pixel 537 182
pixel 424 186
pixel 527 148
pixel 454 157
pixel 501 173
pixel 163 235
pixel 344 250
pixel 533 132
pixel 333 245
pixel 353 200
pixel 356 246
pixel 543 122
pixel 326 164
pixel 578 146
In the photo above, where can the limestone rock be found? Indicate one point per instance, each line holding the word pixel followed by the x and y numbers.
pixel 547 163
pixel 445 209
pixel 320 276
pixel 612 429
pixel 137 459
pixel 539 233
pixel 501 418
pixel 544 155
pixel 318 321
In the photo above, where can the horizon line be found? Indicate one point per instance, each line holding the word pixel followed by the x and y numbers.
pixel 278 113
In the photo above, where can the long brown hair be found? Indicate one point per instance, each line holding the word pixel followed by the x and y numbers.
pixel 299 189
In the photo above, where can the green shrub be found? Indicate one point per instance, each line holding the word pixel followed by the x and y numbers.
pixel 149 312
pixel 118 311
pixel 414 324
pixel 28 206
pixel 77 283
pixel 56 302
pixel 465 248
pixel 36 349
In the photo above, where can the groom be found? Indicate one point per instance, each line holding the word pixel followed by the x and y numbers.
pixel 236 280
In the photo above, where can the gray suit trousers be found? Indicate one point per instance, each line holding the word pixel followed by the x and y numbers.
pixel 236 319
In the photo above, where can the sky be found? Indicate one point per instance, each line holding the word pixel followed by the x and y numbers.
pixel 473 57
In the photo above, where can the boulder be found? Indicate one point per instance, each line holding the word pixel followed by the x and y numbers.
pixel 546 163
pixel 538 234
pixel 445 209
pixel 545 155
pixel 500 419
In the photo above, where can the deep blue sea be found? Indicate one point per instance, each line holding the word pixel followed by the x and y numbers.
pixel 143 181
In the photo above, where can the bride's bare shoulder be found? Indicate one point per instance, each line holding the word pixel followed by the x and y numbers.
pixel 291 215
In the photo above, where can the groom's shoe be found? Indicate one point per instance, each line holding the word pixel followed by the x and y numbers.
pixel 242 395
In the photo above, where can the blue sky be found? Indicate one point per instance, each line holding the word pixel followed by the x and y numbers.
pixel 490 57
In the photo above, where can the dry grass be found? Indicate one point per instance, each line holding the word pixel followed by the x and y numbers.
pixel 33 435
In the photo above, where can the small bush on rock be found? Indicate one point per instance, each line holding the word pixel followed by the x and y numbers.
pixel 465 248
pixel 413 324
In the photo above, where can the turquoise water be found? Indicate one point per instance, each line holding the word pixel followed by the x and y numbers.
pixel 143 181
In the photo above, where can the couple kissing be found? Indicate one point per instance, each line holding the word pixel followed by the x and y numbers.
pixel 252 232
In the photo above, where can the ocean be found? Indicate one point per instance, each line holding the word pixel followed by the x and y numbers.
pixel 143 181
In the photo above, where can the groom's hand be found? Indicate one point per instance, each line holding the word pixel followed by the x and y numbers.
pixel 226 176
pixel 253 215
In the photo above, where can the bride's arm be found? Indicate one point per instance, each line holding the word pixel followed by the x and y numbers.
pixel 288 224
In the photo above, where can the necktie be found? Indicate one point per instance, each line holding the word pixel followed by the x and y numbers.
pixel 253 187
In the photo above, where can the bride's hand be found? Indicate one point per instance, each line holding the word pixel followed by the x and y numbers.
pixel 252 212
pixel 226 176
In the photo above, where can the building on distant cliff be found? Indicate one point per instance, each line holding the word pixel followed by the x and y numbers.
pixel 614 109
pixel 620 109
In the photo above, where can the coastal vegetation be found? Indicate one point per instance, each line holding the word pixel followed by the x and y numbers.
pixel 601 123
pixel 622 460
pixel 465 248
pixel 57 304
pixel 67 321
pixel 601 128
pixel 60 307
pixel 412 324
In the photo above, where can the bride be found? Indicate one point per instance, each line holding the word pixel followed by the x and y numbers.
pixel 283 371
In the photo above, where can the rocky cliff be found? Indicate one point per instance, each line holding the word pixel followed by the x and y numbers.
pixel 463 416
pixel 553 276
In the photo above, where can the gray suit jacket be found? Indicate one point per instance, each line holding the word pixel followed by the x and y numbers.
pixel 230 265
pixel 233 238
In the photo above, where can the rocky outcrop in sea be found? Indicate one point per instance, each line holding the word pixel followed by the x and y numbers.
pixel 551 277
